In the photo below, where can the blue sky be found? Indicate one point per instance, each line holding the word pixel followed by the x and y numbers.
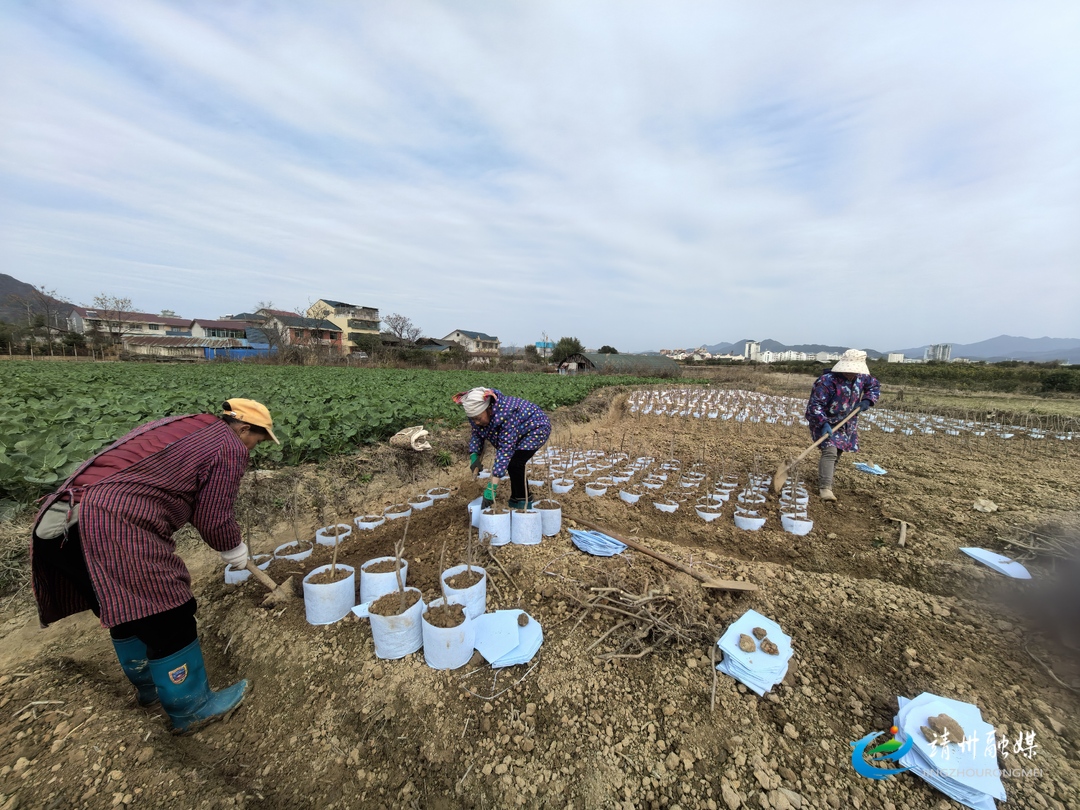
pixel 641 174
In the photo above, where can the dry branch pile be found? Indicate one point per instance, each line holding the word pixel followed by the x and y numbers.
pixel 647 610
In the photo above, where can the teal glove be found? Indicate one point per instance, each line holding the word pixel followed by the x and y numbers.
pixel 474 463
pixel 828 429
pixel 489 494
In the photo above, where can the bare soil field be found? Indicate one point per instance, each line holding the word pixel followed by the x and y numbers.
pixel 329 725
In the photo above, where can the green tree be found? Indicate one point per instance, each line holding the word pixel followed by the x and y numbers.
pixel 9 336
pixel 368 343
pixel 1063 380
pixel 605 349
pixel 73 340
pixel 531 354
pixel 564 348
pixel 457 356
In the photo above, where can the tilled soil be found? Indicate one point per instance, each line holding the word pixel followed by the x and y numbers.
pixel 328 725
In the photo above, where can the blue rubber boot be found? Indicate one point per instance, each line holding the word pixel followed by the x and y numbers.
pixel 132 655
pixel 185 691
pixel 520 503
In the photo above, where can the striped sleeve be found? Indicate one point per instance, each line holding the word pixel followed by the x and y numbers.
pixel 214 516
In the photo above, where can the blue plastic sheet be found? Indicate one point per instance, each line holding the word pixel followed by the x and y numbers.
pixel 873 469
pixel 596 543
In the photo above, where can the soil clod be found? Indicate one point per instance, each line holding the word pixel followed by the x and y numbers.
pixel 943 730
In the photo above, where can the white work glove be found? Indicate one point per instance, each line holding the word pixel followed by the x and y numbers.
pixel 236 557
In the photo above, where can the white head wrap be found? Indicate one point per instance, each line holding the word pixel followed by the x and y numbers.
pixel 474 401
pixel 853 361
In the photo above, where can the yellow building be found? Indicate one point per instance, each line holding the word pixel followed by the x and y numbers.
pixel 354 321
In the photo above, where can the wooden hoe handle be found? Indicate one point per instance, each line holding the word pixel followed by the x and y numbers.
pixel 260 575
pixel 824 436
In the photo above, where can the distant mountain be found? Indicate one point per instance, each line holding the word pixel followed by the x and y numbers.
pixel 1007 347
pixel 724 348
pixel 739 347
pixel 15 295
pixel 1003 347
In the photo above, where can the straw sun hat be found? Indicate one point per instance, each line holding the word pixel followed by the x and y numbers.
pixel 853 361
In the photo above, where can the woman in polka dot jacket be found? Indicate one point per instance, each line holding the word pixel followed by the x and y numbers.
pixel 515 427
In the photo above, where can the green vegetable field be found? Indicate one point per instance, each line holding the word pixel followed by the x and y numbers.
pixel 55 415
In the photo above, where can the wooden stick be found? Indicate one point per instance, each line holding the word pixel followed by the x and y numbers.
pixel 903 530
pixel 1049 671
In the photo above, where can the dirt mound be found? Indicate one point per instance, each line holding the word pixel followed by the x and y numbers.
pixel 330 725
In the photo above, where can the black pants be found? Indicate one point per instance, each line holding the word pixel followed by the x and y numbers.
pixel 519 487
pixel 163 633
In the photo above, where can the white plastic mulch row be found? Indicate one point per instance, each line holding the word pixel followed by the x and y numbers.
pixel 751 406
pixel 717 403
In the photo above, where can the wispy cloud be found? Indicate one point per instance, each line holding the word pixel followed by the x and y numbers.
pixel 638 174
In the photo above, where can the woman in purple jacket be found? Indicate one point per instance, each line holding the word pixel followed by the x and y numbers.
pixel 516 429
pixel 104 542
pixel 848 386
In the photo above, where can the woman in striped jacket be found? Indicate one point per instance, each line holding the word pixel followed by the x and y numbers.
pixel 104 542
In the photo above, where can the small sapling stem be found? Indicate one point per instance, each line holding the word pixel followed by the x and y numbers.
pixel 399 549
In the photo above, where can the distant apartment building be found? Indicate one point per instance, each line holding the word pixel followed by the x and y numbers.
pixel 940 352
pixel 895 357
pixel 786 356
pixel 752 350
pixel 355 322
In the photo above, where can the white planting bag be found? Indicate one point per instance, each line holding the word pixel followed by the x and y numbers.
pixel 495 527
pixel 473 598
pixel 374 585
pixel 448 647
pixel 397 636
pixel 525 527
pixel 329 602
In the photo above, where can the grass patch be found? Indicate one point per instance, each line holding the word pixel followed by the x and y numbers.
pixel 14 551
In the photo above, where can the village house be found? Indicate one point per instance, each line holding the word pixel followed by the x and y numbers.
pixel 89 321
pixel 219 329
pixel 297 330
pixel 355 322
pixel 474 342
